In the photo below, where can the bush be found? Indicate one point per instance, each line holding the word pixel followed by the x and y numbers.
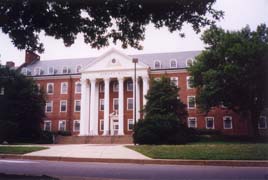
pixel 64 133
pixel 46 137
pixel 208 132
pixel 7 131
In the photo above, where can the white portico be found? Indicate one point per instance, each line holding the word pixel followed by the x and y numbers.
pixel 112 66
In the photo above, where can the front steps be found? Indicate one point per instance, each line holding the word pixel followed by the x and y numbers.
pixel 126 139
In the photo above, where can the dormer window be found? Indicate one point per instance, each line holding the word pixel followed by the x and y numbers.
pixel 38 71
pixel 51 70
pixel 65 70
pixel 157 65
pixel 2 91
pixel 78 68
pixel 173 63
pixel 189 62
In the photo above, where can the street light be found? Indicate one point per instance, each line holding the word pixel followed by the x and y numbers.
pixel 135 61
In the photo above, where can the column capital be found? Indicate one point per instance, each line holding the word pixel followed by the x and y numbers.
pixel 145 77
pixel 106 79
pixel 120 78
pixel 92 80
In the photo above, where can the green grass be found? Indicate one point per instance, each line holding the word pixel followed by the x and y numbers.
pixel 209 151
pixel 19 149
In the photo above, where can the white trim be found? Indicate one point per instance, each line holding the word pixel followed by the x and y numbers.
pixel 192 118
pixel 115 99
pixel 157 61
pixel 265 122
pixel 51 107
pixel 75 103
pixel 102 100
pixel 52 88
pixel 61 87
pixel 190 59
pixel 75 88
pixel 48 70
pixel 206 121
pixel 170 63
pixel 224 118
pixel 132 104
pixel 47 121
pixel 128 124
pixel 60 123
pixel 74 125
pixel 61 103
pixel 188 83
pixel 188 101
pixel 67 69
pixel 101 122
pixel 79 65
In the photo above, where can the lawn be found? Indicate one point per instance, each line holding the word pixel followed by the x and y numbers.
pixel 209 151
pixel 19 149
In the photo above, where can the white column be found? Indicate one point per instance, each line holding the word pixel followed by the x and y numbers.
pixel 96 120
pixel 92 106
pixel 145 81
pixel 134 97
pixel 84 108
pixel 106 105
pixel 137 99
pixel 121 105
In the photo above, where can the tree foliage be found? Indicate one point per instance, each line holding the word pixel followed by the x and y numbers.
pixel 233 71
pixel 99 21
pixel 164 115
pixel 21 108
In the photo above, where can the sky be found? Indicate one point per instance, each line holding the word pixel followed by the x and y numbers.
pixel 238 14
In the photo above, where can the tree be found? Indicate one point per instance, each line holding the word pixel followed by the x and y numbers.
pixel 164 115
pixel 98 21
pixel 233 71
pixel 21 108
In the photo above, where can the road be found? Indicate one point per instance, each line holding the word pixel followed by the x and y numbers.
pixel 76 170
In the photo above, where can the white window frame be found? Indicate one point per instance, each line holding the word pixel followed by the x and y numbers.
pixel 265 120
pixel 2 91
pixel 76 68
pixel 190 59
pixel 129 124
pixel 115 99
pixel 224 119
pixel 128 104
pixel 37 71
pixel 61 101
pixel 160 65
pixel 48 70
pixel 191 118
pixel 76 84
pixel 206 121
pixel 173 60
pixel 101 122
pixel 188 101
pixel 60 121
pixel 47 121
pixel 101 103
pixel 188 83
pixel 61 87
pixel 52 88
pixel 67 69
pixel 176 79
pixel 128 88
pixel 114 85
pixel 101 87
pixel 75 121
pixel 75 103
pixel 51 102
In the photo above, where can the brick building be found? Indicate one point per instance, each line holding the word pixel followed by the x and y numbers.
pixel 94 96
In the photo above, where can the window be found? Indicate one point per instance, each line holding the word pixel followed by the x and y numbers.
pixel 2 91
pixel 189 62
pixel 209 122
pixel 64 88
pixel 173 63
pixel 157 64
pixel 227 122
pixel 51 70
pixel 38 71
pixel 262 124
pixel 130 124
pixel 78 68
pixel 101 104
pixel 76 126
pixel 129 103
pixel 77 106
pixel 115 104
pixel 129 85
pixel 115 86
pixel 47 125
pixel 63 106
pixel 101 87
pixel 192 122
pixel 191 102
pixel 77 87
pixel 175 81
pixel 49 106
pixel 189 82
pixel 26 71
pixel 65 70
pixel 50 88
pixel 62 125
pixel 101 125
pixel 38 86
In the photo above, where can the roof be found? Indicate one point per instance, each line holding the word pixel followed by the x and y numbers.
pixel 148 59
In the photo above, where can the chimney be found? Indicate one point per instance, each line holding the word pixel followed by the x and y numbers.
pixel 10 64
pixel 30 57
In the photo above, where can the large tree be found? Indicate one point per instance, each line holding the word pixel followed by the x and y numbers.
pixel 232 71
pixel 99 20
pixel 21 108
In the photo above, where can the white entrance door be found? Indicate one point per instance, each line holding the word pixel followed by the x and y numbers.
pixel 115 127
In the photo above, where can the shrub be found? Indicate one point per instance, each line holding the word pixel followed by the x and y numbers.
pixel 64 133
pixel 46 137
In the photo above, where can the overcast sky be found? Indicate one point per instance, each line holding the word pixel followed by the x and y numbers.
pixel 238 14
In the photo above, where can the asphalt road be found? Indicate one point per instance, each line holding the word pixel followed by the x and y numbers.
pixel 76 170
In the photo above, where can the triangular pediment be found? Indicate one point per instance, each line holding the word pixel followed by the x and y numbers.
pixel 113 60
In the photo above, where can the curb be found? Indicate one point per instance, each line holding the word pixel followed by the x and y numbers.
pixel 242 163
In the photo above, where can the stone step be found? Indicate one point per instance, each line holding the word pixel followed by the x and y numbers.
pixel 127 139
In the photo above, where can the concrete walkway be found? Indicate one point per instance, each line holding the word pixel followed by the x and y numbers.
pixel 89 151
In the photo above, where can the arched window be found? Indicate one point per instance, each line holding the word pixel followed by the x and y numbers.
pixel 173 63
pixel 78 68
pixel 50 88
pixel 189 62
pixel 157 64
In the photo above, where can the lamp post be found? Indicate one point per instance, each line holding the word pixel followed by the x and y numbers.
pixel 135 61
